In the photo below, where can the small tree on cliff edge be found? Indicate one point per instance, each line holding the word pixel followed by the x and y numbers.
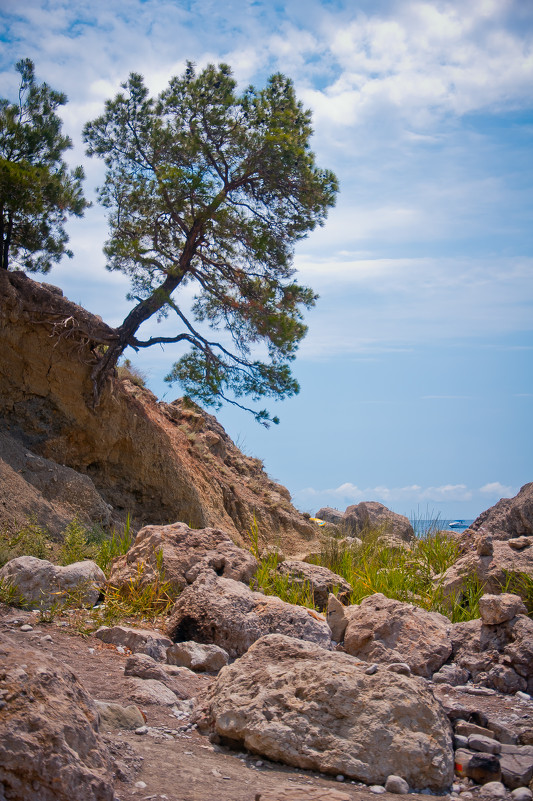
pixel 37 191
pixel 211 188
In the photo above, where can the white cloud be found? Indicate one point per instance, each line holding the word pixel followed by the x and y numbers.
pixel 498 490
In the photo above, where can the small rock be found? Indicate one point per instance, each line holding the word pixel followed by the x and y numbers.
pixel 483 768
pixel 466 729
pixel 141 785
pixel 460 742
pixel 400 667
pixel 493 790
pixel 522 794
pixel 524 696
pixel 377 789
pixel 46 638
pixel 339 778
pixel 26 627
pixel 496 609
pixel 141 730
pixel 477 742
pixel 371 670
pixel 395 784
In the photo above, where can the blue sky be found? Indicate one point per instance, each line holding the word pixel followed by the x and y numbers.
pixel 416 379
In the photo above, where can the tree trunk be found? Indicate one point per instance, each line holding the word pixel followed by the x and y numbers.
pixel 125 333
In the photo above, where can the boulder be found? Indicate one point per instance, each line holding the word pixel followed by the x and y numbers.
pixel 183 553
pixel 50 748
pixel 40 583
pixel 227 613
pixel 495 609
pixel 297 703
pixel 151 691
pixel 196 656
pixel 372 516
pixel 498 656
pixel 116 716
pixel 330 515
pixel 383 630
pixel 321 580
pixel 138 641
pixel 509 518
pixel 490 563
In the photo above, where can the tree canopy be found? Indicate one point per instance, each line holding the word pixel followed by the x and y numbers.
pixel 213 188
pixel 37 190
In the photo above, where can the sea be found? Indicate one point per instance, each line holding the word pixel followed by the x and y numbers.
pixel 423 525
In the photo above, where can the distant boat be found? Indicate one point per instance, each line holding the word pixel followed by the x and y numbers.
pixel 457 524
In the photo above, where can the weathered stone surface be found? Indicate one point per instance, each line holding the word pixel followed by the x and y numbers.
pixel 302 793
pixel 184 553
pixel 469 729
pixel 321 580
pixel 197 656
pixel 383 630
pixel 491 569
pixel 493 790
pixel 395 784
pixel 482 768
pixel 517 769
pixel 495 609
pixel 143 666
pixel 139 641
pixel 49 493
pixel 498 656
pixel 330 515
pixel 227 613
pixel 488 745
pixel 42 584
pixel 373 516
pixel 50 749
pixel 451 674
pixel 509 518
pixel 151 691
pixel 294 702
pixel 116 716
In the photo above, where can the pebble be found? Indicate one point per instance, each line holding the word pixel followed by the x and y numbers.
pixel 259 764
pixel 525 696
pixel 522 794
pixel 339 777
pixel 46 638
pixel 371 670
pixel 395 784
pixel 141 785
pixel 399 667
pixel 141 730
pixel 377 789
pixel 27 627
pixel 494 790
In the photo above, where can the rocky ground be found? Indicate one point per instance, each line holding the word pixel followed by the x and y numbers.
pixel 171 760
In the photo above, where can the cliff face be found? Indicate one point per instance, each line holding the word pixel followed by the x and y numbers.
pixel 160 462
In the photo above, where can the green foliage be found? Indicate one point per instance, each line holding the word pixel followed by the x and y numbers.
pixel 132 373
pixel 271 582
pixel 116 545
pixel 75 546
pixel 139 599
pixel 10 595
pixel 30 540
pixel 208 187
pixel 37 190
pixel 403 574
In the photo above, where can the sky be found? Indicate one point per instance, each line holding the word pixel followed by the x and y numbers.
pixel 416 374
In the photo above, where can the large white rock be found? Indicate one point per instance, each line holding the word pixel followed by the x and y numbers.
pixel 227 613
pixel 41 583
pixel 381 629
pixel 183 554
pixel 297 703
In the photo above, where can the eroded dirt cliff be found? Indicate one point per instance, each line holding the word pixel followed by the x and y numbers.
pixel 159 462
